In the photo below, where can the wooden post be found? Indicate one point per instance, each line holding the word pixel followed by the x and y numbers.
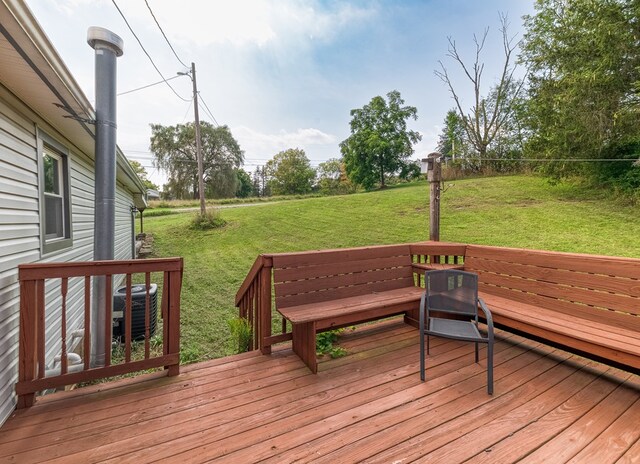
pixel 264 308
pixel 173 316
pixel 28 340
pixel 434 176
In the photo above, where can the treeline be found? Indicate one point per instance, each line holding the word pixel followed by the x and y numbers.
pixel 376 153
pixel 575 113
pixel 565 103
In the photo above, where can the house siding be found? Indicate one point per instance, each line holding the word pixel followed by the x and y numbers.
pixel 20 234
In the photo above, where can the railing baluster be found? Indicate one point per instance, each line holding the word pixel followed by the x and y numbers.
pixel 108 329
pixel 64 285
pixel 87 322
pixel 40 311
pixel 128 309
pixel 147 311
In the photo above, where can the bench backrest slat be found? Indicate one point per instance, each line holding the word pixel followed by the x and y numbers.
pixel 313 277
pixel 603 265
pixel 582 285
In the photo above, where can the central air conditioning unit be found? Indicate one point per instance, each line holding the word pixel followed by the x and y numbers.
pixel 138 306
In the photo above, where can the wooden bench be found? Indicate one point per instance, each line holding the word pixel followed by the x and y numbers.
pixel 590 304
pixel 323 290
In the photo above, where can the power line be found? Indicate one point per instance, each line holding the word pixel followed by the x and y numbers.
pixel 187 112
pixel 147 86
pixel 208 110
pixel 164 35
pixel 145 51
pixel 535 160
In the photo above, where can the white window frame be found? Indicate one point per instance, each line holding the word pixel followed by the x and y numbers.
pixel 49 146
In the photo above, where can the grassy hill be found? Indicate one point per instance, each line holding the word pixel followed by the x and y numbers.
pixel 520 211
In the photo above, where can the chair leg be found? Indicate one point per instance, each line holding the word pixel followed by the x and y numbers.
pixel 422 363
pixel 428 344
pixel 490 368
pixel 477 356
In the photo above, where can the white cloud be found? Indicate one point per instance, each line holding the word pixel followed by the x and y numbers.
pixel 265 146
pixel 242 22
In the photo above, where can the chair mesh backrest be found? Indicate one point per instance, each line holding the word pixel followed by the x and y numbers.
pixel 452 292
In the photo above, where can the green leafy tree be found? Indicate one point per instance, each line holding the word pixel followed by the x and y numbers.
pixel 452 142
pixel 584 61
pixel 290 172
pixel 141 172
pixel 174 148
pixel 380 143
pixel 244 184
pixel 332 178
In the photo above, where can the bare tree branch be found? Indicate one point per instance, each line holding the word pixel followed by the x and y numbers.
pixel 487 114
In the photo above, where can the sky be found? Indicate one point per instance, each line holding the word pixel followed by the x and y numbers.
pixel 280 73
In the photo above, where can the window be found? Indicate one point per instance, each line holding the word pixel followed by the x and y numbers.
pixel 55 211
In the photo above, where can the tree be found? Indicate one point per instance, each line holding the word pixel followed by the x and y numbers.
pixel 332 178
pixel 584 58
pixel 174 148
pixel 290 172
pixel 488 114
pixel 244 187
pixel 141 172
pixel 380 143
pixel 452 142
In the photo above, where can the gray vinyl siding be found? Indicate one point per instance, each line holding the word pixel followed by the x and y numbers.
pixel 19 235
pixel 20 240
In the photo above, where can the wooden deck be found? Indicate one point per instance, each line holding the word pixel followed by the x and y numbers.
pixel 548 406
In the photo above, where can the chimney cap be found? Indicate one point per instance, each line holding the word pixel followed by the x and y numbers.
pixel 99 37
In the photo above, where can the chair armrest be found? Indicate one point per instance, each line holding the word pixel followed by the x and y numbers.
pixel 488 316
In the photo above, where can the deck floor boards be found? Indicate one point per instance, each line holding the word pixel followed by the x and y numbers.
pixel 369 406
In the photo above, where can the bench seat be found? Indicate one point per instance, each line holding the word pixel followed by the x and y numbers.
pixel 322 290
pixel 586 303
pixel 336 313
pixel 309 319
pixel 600 339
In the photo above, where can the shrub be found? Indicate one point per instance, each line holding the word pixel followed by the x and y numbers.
pixel 209 220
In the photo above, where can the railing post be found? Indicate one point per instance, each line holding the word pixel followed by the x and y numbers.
pixel 265 306
pixel 175 278
pixel 28 331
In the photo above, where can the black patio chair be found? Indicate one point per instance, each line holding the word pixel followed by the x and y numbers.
pixel 456 293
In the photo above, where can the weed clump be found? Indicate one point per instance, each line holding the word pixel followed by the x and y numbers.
pixel 241 333
pixel 209 220
pixel 325 344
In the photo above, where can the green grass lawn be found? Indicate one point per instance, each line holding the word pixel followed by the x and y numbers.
pixel 519 211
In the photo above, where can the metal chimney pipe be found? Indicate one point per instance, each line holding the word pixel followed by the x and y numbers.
pixel 108 47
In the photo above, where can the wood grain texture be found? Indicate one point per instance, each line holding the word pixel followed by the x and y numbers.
pixel 367 406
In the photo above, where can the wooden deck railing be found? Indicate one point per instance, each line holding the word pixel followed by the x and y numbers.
pixel 254 299
pixel 436 255
pixel 34 277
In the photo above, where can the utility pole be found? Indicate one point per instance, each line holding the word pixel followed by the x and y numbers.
pixel 203 208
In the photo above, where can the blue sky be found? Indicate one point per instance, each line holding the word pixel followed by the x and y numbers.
pixel 280 73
